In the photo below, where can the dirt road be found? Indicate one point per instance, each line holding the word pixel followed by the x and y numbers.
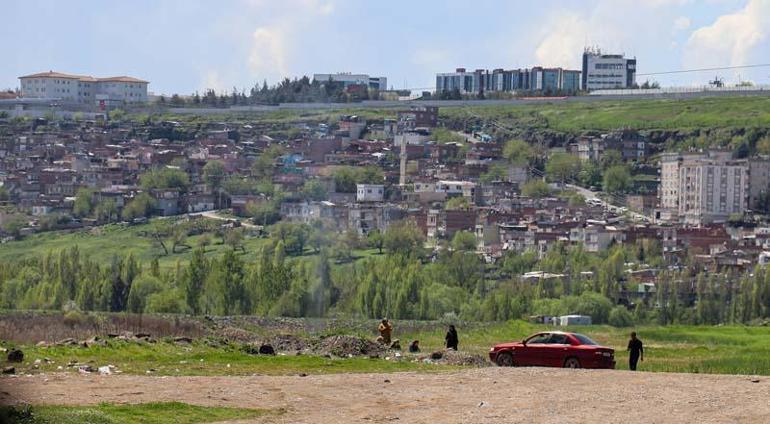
pixel 489 395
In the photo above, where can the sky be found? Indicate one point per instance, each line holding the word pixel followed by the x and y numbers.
pixel 182 46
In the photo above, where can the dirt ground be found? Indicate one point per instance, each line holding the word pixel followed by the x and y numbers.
pixel 488 395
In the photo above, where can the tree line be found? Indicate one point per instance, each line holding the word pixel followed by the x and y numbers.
pixel 304 271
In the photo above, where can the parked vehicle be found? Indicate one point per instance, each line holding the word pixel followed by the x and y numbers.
pixel 553 349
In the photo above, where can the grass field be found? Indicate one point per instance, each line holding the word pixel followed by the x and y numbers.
pixel 101 243
pixel 709 112
pixel 697 349
pixel 147 413
pixel 705 112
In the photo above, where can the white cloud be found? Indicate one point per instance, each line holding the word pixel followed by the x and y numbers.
pixel 733 39
pixel 268 55
pixel 212 80
pixel 563 42
pixel 681 23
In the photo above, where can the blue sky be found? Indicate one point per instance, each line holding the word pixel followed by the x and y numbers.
pixel 187 45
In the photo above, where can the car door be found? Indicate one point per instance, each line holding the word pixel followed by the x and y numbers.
pixel 533 351
pixel 556 350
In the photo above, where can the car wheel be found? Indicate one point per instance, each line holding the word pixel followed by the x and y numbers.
pixel 571 363
pixel 504 359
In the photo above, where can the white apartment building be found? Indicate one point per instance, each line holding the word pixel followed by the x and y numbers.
pixel 83 89
pixel 703 188
pixel 607 71
pixel 370 192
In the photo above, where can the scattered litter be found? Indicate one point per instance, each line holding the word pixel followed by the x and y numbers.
pixel 105 370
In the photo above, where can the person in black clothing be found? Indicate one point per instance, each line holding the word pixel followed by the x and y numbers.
pixel 451 338
pixel 636 351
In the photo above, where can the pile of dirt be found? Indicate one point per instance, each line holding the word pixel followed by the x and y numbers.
pixel 287 343
pixel 451 357
pixel 346 346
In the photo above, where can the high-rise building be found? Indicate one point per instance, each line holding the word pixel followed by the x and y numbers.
pixel 607 71
pixel 702 188
pixel 83 89
pixel 347 79
pixel 499 80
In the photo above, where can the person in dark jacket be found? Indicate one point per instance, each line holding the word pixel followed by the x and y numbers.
pixel 451 338
pixel 635 351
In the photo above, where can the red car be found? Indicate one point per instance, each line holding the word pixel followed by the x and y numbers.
pixel 553 349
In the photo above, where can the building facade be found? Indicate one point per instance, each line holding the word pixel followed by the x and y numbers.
pixel 607 71
pixel 83 89
pixel 703 188
pixel 499 80
pixel 348 79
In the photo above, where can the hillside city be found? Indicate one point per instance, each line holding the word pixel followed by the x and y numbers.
pixel 522 219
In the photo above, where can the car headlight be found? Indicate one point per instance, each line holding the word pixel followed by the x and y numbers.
pixel 492 349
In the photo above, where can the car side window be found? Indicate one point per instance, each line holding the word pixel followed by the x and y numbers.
pixel 558 339
pixel 540 338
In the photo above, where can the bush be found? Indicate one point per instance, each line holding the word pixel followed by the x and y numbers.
pixel 73 318
pixel 620 317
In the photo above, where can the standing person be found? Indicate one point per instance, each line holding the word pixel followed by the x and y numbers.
pixel 451 338
pixel 385 329
pixel 636 351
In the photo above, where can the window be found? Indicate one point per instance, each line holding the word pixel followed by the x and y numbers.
pixel 584 339
pixel 539 338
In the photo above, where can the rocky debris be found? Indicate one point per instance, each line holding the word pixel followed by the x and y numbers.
pixel 287 343
pixel 266 349
pixel 15 355
pixel 183 340
pixel 250 349
pixel 9 370
pixel 452 357
pixel 93 341
pixel 67 342
pixel 347 346
pixel 106 370
pixel 436 355
pixel 86 369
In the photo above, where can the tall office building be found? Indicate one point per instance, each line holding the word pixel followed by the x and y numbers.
pixel 607 71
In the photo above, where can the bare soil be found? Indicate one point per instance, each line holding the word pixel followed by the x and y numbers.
pixel 485 395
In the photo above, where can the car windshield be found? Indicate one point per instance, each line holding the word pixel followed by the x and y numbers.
pixel 584 339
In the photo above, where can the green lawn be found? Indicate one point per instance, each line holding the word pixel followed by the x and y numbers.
pixel 708 112
pixel 167 358
pixel 702 349
pixel 101 243
pixel 145 413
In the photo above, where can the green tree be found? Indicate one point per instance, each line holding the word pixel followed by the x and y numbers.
pixel 620 317
pixel 464 241
pixel 164 178
pixel 404 237
pixel 106 211
pixel 144 286
pixel 376 240
pixel 13 224
pixel 617 179
pixel 264 165
pixel 562 167
pixel 314 190
pixel 518 152
pixel 140 206
pixel 83 202
pixel 536 189
pixel 457 203
pixel 214 174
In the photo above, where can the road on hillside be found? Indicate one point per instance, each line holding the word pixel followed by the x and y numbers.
pixel 588 194
pixel 483 395
pixel 215 215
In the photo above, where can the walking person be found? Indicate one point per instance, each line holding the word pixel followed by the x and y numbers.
pixel 451 338
pixel 636 351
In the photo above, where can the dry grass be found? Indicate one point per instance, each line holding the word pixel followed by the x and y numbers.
pixel 33 327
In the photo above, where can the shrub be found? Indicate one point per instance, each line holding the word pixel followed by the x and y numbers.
pixel 620 317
